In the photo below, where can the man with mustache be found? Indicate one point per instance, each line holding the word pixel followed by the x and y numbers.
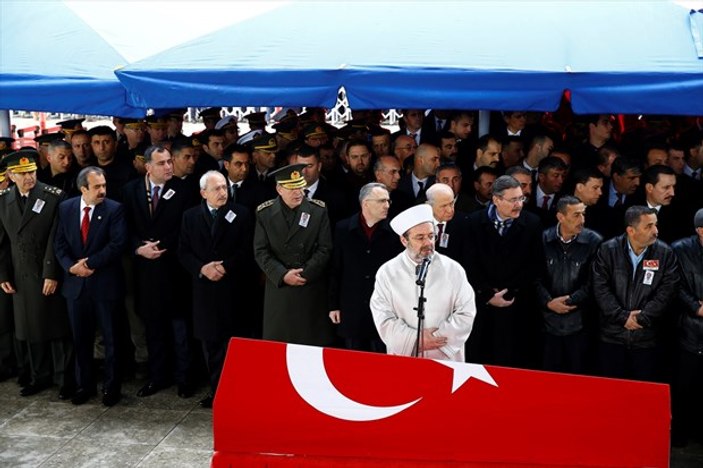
pixel 90 238
pixel 564 288
pixel 502 258
pixel 659 183
pixel 635 276
pixel 293 246
pixel 449 309
pixel 29 274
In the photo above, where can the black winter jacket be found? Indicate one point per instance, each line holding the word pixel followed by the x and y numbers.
pixel 690 255
pixel 567 272
pixel 617 293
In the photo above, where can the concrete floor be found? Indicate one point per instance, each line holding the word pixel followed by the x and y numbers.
pixel 160 430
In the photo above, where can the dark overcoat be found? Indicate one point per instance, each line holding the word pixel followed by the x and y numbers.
pixel 295 314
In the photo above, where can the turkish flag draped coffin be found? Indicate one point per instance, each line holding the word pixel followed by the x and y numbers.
pixel 291 405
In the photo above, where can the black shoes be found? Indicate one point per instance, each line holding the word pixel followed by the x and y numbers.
pixel 33 389
pixel 66 392
pixel 206 402
pixel 185 391
pixel 82 396
pixel 149 389
pixel 111 398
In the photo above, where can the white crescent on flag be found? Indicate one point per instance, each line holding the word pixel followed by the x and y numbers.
pixel 308 375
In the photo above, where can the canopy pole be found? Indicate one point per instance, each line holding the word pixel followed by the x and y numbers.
pixel 484 122
pixel 5 123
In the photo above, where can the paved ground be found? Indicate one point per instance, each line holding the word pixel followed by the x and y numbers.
pixel 160 430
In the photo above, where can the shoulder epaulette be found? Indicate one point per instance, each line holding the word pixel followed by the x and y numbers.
pixel 6 191
pixel 53 190
pixel 317 202
pixel 265 204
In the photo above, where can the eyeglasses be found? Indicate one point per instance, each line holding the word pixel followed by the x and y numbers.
pixel 515 200
pixel 423 237
pixel 380 200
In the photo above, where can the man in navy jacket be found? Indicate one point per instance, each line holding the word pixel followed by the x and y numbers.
pixel 90 237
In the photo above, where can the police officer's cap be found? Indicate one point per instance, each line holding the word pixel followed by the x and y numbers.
pixel 264 142
pixel 290 177
pixel 314 130
pixel 6 143
pixel 256 118
pixel 47 138
pixel 70 125
pixel 22 161
pixel 210 113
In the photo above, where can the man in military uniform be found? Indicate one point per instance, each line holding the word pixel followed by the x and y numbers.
pixel 60 172
pixel 29 272
pixel 293 245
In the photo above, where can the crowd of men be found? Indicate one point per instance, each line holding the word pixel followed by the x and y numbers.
pixel 581 238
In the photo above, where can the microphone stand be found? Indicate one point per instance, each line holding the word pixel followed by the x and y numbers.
pixel 419 343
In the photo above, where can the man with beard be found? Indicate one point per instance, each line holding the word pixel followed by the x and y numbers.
pixel 362 243
pixel 29 272
pixel 90 238
pixel 503 252
pixel 118 170
pixel 153 207
pixel 449 309
pixel 635 276
pixel 293 246
pixel 564 289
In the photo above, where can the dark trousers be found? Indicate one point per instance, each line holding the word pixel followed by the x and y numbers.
pixel 621 362
pixel 565 353
pixel 215 352
pixel 503 337
pixel 85 314
pixel 46 362
pixel 686 391
pixel 365 344
pixel 169 352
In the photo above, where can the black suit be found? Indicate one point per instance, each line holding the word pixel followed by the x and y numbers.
pixel 608 221
pixel 94 298
pixel 504 336
pixel 218 311
pixel 355 261
pixel 548 217
pixel 451 241
pixel 160 283
pixel 406 186
pixel 337 204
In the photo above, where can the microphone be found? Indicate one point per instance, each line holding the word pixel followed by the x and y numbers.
pixel 421 271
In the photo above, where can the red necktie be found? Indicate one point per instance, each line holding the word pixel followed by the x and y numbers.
pixel 85 224
pixel 155 199
pixel 545 202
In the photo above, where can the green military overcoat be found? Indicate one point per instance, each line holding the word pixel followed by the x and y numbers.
pixel 295 314
pixel 27 258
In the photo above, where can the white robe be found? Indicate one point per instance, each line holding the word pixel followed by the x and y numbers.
pixel 450 306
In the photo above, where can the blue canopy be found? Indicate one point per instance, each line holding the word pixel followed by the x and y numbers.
pixel 51 60
pixel 628 57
